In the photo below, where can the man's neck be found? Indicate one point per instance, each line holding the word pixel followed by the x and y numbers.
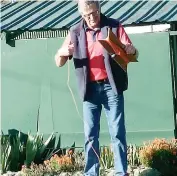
pixel 96 28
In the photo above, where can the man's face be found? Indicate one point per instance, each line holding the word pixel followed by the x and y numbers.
pixel 91 14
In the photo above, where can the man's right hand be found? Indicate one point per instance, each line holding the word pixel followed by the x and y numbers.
pixel 67 51
pixel 62 55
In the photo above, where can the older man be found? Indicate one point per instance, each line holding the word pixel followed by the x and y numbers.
pixel 101 82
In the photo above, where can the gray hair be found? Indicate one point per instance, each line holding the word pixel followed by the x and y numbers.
pixel 85 3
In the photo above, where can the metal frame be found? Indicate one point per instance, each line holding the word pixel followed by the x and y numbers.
pixel 11 36
pixel 173 53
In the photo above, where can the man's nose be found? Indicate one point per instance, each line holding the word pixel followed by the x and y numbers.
pixel 92 17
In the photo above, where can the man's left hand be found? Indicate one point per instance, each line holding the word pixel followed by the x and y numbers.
pixel 130 49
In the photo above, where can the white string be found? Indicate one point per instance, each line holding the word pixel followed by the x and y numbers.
pixel 77 109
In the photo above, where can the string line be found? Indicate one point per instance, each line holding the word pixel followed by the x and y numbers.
pixel 77 109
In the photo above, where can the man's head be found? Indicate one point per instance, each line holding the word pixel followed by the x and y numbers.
pixel 90 11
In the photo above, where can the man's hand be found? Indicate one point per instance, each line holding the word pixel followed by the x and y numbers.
pixel 67 51
pixel 130 49
pixel 62 55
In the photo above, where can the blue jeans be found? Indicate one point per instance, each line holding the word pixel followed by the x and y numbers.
pixel 99 94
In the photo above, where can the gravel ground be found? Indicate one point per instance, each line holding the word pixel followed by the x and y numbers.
pixel 134 171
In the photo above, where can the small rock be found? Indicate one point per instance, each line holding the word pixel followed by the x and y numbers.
pixel 131 169
pixel 149 172
pixel 136 172
pixel 79 173
pixel 146 172
pixel 9 173
pixel 111 172
pixel 65 174
pixel 18 174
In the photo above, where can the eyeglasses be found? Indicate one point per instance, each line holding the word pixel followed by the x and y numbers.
pixel 94 14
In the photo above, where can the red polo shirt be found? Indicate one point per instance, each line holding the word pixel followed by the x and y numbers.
pixel 97 68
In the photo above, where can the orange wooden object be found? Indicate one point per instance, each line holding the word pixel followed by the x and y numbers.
pixel 113 45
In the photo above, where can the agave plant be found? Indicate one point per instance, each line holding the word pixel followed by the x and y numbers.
pixel 31 148
pixel 17 150
pixel 47 149
pixel 5 153
pixel 37 150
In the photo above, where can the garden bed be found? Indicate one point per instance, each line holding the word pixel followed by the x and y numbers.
pixel 31 156
pixel 133 171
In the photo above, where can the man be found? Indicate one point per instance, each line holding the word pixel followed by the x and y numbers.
pixel 101 81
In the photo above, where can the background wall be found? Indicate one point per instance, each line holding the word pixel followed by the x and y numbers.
pixel 35 93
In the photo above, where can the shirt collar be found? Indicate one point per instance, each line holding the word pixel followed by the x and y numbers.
pixel 86 28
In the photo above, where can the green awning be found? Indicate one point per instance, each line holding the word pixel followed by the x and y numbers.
pixel 34 15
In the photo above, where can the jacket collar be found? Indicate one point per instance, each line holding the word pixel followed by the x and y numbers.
pixel 82 35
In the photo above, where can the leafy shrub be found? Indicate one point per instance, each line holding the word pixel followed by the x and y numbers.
pixel 133 152
pixel 160 154
pixel 69 162
pixel 106 158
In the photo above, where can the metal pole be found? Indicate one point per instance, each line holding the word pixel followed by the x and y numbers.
pixel 173 49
